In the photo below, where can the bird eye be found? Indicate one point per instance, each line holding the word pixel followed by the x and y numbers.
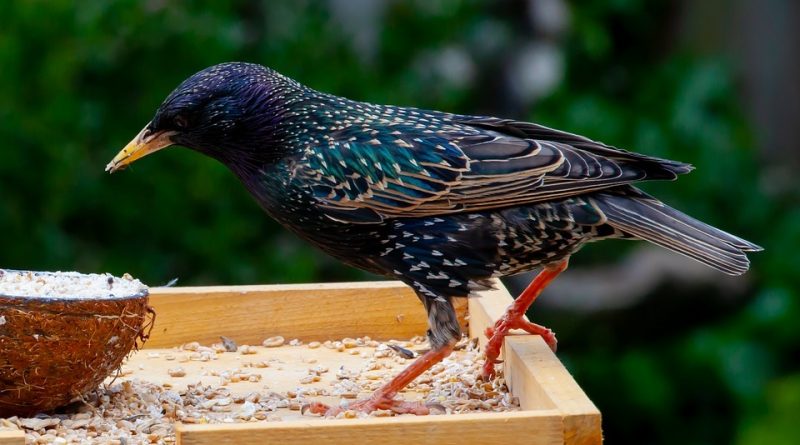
pixel 181 122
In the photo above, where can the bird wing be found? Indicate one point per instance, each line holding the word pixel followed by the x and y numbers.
pixel 576 165
pixel 474 164
pixel 657 168
pixel 388 175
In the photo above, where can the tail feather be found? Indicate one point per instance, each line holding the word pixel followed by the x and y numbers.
pixel 641 216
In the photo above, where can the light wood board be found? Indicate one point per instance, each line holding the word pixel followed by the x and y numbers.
pixel 12 437
pixel 249 314
pixel 536 376
pixel 525 427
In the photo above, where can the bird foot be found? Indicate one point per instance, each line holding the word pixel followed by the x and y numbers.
pixel 500 330
pixel 514 318
pixel 383 398
pixel 372 404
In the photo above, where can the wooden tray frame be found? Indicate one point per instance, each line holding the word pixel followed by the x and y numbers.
pixel 554 408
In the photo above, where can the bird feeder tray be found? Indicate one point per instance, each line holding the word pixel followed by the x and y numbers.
pixel 553 408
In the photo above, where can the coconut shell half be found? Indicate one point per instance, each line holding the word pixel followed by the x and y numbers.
pixel 54 349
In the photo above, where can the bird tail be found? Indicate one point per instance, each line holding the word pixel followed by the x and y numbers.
pixel 639 215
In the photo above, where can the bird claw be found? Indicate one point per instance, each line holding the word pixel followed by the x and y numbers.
pixel 488 372
pixel 500 330
pixel 314 408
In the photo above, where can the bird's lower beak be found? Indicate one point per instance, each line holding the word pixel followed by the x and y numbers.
pixel 143 144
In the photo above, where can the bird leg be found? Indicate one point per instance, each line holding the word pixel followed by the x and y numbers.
pixel 514 318
pixel 383 397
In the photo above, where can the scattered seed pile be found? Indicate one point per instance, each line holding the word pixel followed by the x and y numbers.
pixel 67 285
pixel 132 411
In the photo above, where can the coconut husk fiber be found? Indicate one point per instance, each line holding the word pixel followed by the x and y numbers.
pixel 54 350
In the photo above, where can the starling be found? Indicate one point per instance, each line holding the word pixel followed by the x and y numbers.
pixel 443 202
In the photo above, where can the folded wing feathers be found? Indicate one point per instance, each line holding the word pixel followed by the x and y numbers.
pixel 657 168
pixel 538 170
pixel 503 163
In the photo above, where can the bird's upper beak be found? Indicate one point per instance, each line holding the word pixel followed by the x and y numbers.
pixel 143 144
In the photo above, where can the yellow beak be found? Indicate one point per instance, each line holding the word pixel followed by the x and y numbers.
pixel 142 145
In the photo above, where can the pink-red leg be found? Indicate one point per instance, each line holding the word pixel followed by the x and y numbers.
pixel 383 397
pixel 514 318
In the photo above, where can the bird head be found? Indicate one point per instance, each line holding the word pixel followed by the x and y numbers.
pixel 217 111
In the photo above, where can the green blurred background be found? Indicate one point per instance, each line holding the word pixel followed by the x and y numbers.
pixel 671 352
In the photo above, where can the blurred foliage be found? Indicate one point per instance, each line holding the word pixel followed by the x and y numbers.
pixel 78 80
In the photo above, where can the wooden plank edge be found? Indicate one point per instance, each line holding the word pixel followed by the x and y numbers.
pixel 12 437
pixel 542 427
pixel 323 311
pixel 521 378
pixel 535 374
pixel 278 288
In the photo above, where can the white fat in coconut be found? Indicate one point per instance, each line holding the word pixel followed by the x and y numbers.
pixel 67 285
